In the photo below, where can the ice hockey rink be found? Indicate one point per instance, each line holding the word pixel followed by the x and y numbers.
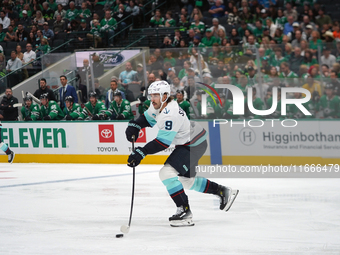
pixel 78 209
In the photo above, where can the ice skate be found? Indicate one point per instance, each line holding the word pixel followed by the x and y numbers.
pixel 227 196
pixel 11 157
pixel 182 218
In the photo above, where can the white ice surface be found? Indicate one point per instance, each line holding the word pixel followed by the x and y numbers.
pixel 66 209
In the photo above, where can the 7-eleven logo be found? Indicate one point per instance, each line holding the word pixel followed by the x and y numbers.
pixel 142 136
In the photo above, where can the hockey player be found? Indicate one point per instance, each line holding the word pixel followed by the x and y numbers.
pixel 72 110
pixel 94 109
pixel 329 103
pixel 178 171
pixel 120 108
pixel 50 110
pixel 30 111
pixel 4 147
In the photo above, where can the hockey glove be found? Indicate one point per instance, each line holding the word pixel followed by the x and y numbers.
pixel 68 117
pixel 28 118
pixel 121 117
pixel 47 117
pixel 95 117
pixel 136 157
pixel 132 130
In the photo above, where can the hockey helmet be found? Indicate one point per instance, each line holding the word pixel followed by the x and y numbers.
pixel 93 94
pixel 117 93
pixel 181 91
pixel 69 99
pixel 161 88
pixel 200 92
pixel 28 98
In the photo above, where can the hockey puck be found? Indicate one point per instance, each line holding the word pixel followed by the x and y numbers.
pixel 119 235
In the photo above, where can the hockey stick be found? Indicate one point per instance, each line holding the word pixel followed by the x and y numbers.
pixel 125 229
pixel 34 98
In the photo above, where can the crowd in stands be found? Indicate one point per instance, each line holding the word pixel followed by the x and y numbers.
pixel 259 44
pixel 50 23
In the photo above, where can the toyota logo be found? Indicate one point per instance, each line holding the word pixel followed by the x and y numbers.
pixel 141 134
pixel 106 133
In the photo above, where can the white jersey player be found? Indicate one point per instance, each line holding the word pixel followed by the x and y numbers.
pixel 4 147
pixel 189 138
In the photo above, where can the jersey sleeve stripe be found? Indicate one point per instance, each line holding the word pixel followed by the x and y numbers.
pixel 198 138
pixel 151 120
pixel 165 145
pixel 166 136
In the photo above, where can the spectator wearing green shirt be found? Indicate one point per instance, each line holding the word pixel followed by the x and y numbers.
pixel 107 4
pixel 242 28
pixel 288 77
pixel 71 13
pixel 198 26
pixel 169 22
pixel 243 84
pixel 209 39
pixel 315 42
pixel 322 18
pixel 95 33
pixel 28 11
pixel 277 59
pixel 53 6
pixel 198 45
pixel 281 20
pixel 329 103
pixel 184 71
pixel 108 26
pixel 309 59
pixel 216 55
pixel 84 12
pixel 258 31
pixel 2 34
pixel 169 58
pixel 157 20
pixel 43 48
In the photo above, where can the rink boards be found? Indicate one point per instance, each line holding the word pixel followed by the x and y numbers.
pixel 237 143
